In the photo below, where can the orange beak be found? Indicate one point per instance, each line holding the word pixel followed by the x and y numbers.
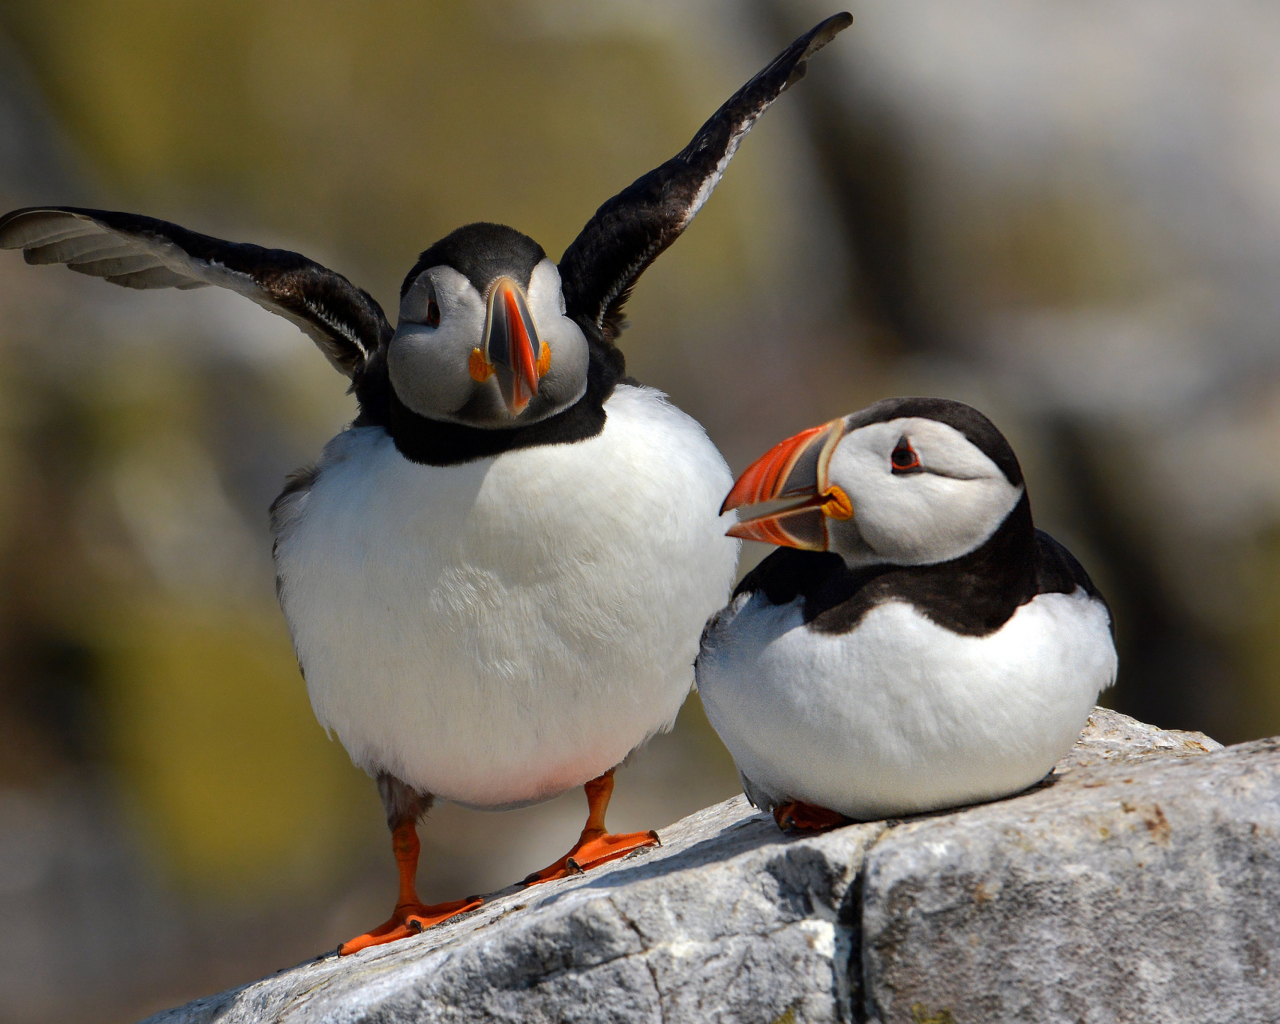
pixel 794 468
pixel 512 346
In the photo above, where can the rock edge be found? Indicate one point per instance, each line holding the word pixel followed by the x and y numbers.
pixel 1139 881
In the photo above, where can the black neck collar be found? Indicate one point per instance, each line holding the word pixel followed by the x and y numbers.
pixel 437 443
pixel 974 595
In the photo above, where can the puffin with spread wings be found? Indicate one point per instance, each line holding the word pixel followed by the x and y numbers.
pixel 496 577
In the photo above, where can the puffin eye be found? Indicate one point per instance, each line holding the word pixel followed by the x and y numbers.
pixel 433 314
pixel 904 458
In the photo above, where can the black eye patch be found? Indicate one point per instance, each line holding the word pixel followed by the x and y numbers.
pixel 904 458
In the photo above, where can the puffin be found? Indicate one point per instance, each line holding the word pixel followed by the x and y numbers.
pixel 915 643
pixel 495 578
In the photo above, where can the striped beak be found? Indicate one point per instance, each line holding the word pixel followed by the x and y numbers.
pixel 512 350
pixel 794 468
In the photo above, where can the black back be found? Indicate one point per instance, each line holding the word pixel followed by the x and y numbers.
pixel 973 595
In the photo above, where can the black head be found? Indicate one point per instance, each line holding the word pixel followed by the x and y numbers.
pixel 481 253
pixel 976 428
pixel 483 339
pixel 907 481
pixel 460 353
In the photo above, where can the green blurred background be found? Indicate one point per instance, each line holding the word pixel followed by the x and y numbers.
pixel 1068 215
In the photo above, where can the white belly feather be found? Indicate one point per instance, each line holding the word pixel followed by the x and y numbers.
pixel 901 715
pixel 501 631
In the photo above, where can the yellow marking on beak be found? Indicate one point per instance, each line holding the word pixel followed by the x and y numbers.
pixel 481 369
pixel 837 505
pixel 544 360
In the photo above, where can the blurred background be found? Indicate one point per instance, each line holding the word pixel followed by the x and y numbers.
pixel 1067 215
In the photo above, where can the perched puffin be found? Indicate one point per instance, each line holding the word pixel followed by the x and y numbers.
pixel 916 643
pixel 496 577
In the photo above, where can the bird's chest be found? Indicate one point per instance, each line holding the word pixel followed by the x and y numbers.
pixel 900 713
pixel 475 555
pixel 897 655
pixel 490 630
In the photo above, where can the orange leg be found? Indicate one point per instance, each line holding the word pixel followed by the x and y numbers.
pixel 796 816
pixel 595 846
pixel 410 915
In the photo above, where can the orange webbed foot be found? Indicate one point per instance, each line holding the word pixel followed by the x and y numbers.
pixel 797 816
pixel 408 919
pixel 411 915
pixel 596 845
pixel 593 850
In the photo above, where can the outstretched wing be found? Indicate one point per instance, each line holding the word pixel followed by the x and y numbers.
pixel 141 252
pixel 632 229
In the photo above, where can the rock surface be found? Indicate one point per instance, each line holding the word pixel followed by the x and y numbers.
pixel 1139 882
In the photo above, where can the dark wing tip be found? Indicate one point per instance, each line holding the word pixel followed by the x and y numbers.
pixel 813 41
pixel 825 31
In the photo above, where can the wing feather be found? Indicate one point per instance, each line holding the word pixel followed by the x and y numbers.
pixel 126 249
pixel 631 230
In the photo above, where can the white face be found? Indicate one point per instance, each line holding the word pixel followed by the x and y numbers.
pixel 921 493
pixel 430 360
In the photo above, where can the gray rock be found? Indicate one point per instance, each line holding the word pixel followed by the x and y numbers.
pixel 1140 881
pixel 1147 889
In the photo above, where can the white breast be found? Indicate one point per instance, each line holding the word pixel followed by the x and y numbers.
pixel 501 631
pixel 901 715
